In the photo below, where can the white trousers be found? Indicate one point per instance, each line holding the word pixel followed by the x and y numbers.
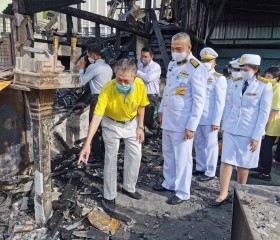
pixel 112 132
pixel 206 150
pixel 177 167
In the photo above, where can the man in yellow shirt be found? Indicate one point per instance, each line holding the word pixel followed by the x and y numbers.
pixel 121 107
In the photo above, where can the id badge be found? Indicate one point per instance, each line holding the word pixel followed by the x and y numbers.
pixel 180 91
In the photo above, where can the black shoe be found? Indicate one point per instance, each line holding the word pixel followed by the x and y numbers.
pixel 261 176
pixel 214 203
pixel 135 195
pixel 174 200
pixel 94 159
pixel 204 178
pixel 109 204
pixel 196 173
pixel 159 188
pixel 257 169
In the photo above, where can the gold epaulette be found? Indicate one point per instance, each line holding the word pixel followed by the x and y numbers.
pixel 265 80
pixel 218 74
pixel 238 78
pixel 194 63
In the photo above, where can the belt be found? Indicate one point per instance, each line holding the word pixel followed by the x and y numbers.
pixel 122 122
pixel 94 95
pixel 152 95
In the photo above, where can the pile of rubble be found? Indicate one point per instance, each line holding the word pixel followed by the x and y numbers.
pixel 77 196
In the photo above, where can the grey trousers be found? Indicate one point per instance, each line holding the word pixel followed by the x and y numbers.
pixel 112 132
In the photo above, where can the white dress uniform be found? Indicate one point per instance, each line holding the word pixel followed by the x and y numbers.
pixel 245 118
pixel 182 106
pixel 206 140
pixel 230 81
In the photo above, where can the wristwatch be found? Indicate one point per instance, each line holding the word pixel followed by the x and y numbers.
pixel 141 128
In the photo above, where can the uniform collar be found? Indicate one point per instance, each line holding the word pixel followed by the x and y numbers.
pixel 251 80
pixel 211 72
pixel 186 60
pixel 182 62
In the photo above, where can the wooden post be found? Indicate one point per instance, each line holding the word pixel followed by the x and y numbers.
pixel 40 109
pixel 97 34
pixel 148 6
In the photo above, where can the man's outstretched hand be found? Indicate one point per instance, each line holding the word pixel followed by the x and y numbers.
pixel 84 154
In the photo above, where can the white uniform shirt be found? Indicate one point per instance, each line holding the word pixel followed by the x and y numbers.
pixel 182 110
pixel 150 76
pixel 98 74
pixel 246 115
pixel 215 99
pixel 229 87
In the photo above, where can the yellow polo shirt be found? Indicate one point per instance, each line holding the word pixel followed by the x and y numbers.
pixel 115 105
pixel 273 128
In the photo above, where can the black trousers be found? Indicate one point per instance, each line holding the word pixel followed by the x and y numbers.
pixel 277 152
pixel 266 155
pixel 150 110
pixel 97 144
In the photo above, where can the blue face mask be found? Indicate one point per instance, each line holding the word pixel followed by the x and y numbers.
pixel 123 89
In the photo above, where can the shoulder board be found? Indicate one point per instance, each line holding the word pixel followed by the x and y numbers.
pixel 218 74
pixel 265 80
pixel 236 79
pixel 194 63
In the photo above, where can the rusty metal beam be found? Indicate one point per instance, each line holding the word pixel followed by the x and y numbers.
pixel 216 19
pixel 160 40
pixel 123 26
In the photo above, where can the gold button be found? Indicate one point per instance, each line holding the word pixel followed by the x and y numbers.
pixel 165 105
pixel 166 95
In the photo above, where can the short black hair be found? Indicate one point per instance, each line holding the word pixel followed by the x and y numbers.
pixel 275 71
pixel 94 48
pixel 147 49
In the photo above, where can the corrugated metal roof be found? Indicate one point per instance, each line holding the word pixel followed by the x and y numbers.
pixel 240 24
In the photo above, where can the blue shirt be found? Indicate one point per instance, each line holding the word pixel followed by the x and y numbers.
pixel 97 74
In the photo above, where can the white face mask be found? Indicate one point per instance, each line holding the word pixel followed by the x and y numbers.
pixel 208 66
pixel 236 74
pixel 91 60
pixel 179 57
pixel 247 75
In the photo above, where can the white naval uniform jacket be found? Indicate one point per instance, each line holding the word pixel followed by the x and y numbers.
pixel 183 111
pixel 246 115
pixel 229 87
pixel 215 99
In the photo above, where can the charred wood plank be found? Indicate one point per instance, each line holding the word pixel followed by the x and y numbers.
pixel 34 6
pixel 69 22
pixel 160 40
pixel 123 26
pixel 97 34
pixel 62 142
pixel 66 202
